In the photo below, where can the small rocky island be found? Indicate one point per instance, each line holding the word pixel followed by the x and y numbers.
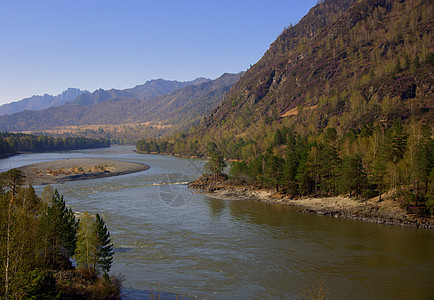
pixel 60 171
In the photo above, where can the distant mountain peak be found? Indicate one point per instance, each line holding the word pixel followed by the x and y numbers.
pixel 177 103
pixel 38 102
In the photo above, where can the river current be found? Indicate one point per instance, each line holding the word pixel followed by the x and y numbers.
pixel 171 241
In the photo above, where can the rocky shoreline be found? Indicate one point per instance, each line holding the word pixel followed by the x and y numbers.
pixel 385 212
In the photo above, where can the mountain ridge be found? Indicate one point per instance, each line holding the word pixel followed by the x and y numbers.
pixel 150 89
pixel 112 108
pixel 40 102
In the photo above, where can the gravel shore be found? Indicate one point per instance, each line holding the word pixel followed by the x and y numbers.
pixel 385 212
pixel 59 171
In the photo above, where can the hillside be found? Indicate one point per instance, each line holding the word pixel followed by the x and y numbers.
pixel 345 64
pixel 340 105
pixel 180 107
pixel 40 102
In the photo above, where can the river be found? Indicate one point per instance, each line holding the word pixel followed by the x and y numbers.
pixel 170 240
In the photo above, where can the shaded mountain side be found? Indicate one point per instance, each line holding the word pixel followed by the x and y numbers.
pixel 182 106
pixel 40 102
pixel 150 89
pixel 345 64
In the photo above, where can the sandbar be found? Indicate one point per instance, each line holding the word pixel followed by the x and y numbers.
pixel 60 171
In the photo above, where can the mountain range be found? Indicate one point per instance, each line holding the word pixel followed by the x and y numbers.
pixel 40 102
pixel 346 64
pixel 169 102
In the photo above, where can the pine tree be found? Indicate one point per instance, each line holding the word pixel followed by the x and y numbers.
pixel 94 250
pixel 424 163
pixel 105 247
pixel 216 164
pixel 353 176
pixel 273 171
pixel 58 231
pixel 328 161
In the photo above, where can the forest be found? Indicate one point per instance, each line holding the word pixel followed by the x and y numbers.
pixel 340 104
pixel 13 143
pixel 39 237
pixel 365 163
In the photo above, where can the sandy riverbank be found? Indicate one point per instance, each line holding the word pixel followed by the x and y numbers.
pixel 59 171
pixel 384 212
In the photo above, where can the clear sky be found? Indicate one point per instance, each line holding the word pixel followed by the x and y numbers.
pixel 47 46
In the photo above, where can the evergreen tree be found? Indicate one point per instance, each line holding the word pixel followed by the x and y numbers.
pixel 328 161
pixel 424 164
pixel 216 164
pixel 292 160
pixel 239 170
pixel 94 250
pixel 105 247
pixel 273 171
pixel 353 176
pixel 396 142
pixel 58 231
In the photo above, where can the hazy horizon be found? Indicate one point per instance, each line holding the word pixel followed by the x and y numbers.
pixel 49 46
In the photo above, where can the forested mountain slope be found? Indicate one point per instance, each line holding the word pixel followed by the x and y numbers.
pixel 182 106
pixel 341 104
pixel 345 64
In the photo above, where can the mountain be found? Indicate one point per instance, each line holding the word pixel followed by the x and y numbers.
pixel 345 64
pixel 340 105
pixel 41 102
pixel 183 106
pixel 150 89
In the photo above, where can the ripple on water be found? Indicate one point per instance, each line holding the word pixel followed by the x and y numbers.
pixel 214 249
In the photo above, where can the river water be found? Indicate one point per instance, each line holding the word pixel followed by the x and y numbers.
pixel 171 241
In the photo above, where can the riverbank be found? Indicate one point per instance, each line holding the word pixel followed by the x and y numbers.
pixel 60 171
pixel 386 212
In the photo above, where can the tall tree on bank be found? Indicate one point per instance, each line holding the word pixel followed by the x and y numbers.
pixel 10 181
pixel 58 232
pixel 19 212
pixel 85 253
pixel 353 176
pixel 104 247
pixel 94 252
pixel 216 163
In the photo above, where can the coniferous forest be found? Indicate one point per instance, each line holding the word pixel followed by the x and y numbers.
pixel 13 143
pixel 362 163
pixel 39 237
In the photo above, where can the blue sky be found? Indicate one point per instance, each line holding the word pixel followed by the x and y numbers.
pixel 50 45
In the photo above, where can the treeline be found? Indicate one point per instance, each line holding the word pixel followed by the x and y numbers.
pixel 364 163
pixel 361 163
pixel 12 143
pixel 38 239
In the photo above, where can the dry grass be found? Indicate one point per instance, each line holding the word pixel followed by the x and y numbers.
pixel 75 170
pixel 81 128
